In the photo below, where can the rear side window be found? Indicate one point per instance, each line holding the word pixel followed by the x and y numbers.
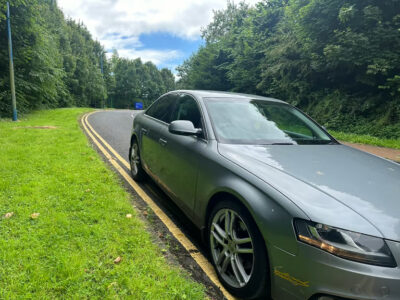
pixel 161 110
pixel 187 109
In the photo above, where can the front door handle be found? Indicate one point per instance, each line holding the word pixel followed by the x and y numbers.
pixel 144 131
pixel 162 141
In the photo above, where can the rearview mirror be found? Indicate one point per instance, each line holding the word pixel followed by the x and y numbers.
pixel 182 127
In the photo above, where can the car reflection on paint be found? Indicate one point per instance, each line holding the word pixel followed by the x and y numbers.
pixel 285 209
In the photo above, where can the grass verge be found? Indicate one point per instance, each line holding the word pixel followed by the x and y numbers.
pixel 68 250
pixel 365 139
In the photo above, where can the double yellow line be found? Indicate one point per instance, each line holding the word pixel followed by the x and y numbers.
pixel 175 231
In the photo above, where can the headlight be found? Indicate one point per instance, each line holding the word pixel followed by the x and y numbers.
pixel 346 244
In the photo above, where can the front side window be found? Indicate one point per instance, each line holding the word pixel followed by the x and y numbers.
pixel 242 121
pixel 186 109
pixel 161 110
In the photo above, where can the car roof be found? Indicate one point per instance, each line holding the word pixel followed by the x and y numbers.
pixel 220 94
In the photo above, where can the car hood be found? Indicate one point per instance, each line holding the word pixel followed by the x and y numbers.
pixel 333 184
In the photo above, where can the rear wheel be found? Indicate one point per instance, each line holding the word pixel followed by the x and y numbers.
pixel 238 251
pixel 137 171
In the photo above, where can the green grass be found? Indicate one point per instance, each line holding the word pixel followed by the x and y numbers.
pixel 365 139
pixel 69 250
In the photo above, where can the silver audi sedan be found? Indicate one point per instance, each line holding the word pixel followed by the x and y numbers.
pixel 287 212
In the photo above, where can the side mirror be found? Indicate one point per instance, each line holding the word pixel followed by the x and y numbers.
pixel 182 127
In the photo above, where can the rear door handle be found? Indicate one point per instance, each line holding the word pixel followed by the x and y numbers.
pixel 162 142
pixel 144 131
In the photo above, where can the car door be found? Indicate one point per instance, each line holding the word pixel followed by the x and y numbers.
pixel 156 119
pixel 179 167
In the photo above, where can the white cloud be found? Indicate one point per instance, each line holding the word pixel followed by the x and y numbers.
pixel 181 17
pixel 155 56
pixel 110 21
pixel 119 41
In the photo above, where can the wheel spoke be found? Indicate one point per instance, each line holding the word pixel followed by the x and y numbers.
pixel 232 219
pixel 236 271
pixel 244 250
pixel 221 255
pixel 227 222
pixel 225 264
pixel 220 231
pixel 218 239
pixel 242 240
pixel 241 269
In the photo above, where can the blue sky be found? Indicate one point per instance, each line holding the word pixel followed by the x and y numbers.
pixel 164 32
pixel 167 41
pixel 180 48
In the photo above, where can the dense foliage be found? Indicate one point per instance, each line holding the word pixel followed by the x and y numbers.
pixel 58 63
pixel 337 59
pixel 133 80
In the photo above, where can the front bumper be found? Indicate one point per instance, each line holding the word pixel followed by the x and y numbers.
pixel 313 273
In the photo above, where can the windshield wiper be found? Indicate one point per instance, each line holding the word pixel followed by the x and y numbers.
pixel 281 144
pixel 315 142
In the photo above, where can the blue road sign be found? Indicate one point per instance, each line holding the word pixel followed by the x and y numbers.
pixel 138 105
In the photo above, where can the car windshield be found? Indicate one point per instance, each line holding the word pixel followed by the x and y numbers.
pixel 241 121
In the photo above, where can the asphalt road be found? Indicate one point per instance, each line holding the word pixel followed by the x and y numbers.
pixel 115 127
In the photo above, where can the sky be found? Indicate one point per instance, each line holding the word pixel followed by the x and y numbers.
pixel 164 32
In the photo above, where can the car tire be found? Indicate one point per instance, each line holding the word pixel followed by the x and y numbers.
pixel 244 275
pixel 137 172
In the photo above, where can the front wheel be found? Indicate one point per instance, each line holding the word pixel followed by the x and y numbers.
pixel 238 251
pixel 137 171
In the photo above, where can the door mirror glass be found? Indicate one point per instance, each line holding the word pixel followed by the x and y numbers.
pixel 183 127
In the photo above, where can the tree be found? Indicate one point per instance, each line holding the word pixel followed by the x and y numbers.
pixel 168 80
pixel 336 59
pixel 58 64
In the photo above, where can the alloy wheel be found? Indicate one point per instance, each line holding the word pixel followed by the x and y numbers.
pixel 232 248
pixel 135 159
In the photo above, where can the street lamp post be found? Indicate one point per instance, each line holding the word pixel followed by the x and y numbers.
pixel 12 82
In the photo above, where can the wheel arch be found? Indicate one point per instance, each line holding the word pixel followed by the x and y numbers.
pixel 219 196
pixel 273 220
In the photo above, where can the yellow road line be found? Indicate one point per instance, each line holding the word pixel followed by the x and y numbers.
pixel 175 231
